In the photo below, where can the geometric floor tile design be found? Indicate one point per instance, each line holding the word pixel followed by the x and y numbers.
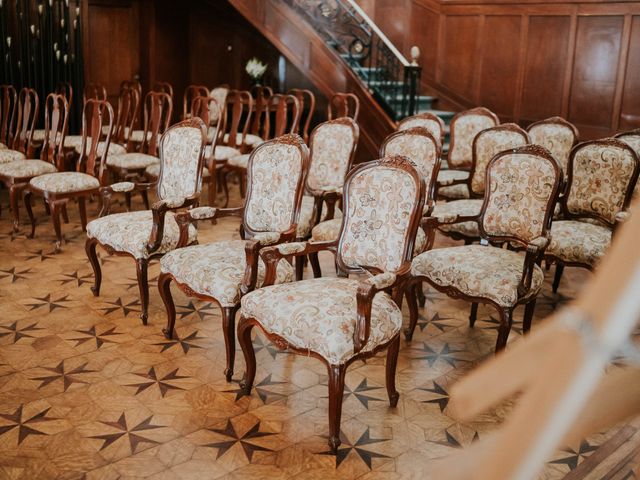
pixel 88 392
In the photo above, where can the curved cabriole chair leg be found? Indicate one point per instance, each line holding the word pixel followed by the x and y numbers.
pixel 506 319
pixel 528 315
pixel 336 393
pixel 90 247
pixel 142 267
pixel 55 208
pixel 422 300
pixel 315 265
pixel 14 191
pixel 229 330
pixel 410 295
pixel 82 206
pixel 26 197
pixel 557 277
pixel 392 362
pixel 164 286
pixel 473 315
pixel 244 338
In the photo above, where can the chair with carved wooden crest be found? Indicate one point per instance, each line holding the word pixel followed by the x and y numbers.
pixel 342 320
pixel 433 123
pixel 20 123
pixel 149 234
pixel 463 129
pixel 632 138
pixel 523 184
pixel 222 272
pixel 602 175
pixel 17 174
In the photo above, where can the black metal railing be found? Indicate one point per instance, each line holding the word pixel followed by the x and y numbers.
pixel 389 76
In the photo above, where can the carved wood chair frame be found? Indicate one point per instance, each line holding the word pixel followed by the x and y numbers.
pixel 307 101
pixel 343 105
pixel 28 110
pixel 190 93
pixel 8 110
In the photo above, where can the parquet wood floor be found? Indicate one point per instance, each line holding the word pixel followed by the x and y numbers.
pixel 88 392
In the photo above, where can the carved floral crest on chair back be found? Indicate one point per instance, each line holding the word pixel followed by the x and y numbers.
pixel 381 202
pixel 523 185
pixel 487 144
pixel 602 174
pixel 464 127
pixel 333 145
pixel 275 173
pixel 418 145
pixel 181 149
pixel 556 135
pixel 431 122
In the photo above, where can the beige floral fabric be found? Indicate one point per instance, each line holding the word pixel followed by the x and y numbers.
pixel 477 271
pixel 307 216
pixel 450 210
pixel 153 170
pixel 217 269
pixel 64 182
pixel 319 315
pixel 26 168
pixel 239 160
pixel 601 175
pixel 222 152
pixel 137 135
pixel 114 148
pixel 447 177
pixel 417 148
pixel 633 140
pixel 454 192
pixel 219 94
pixel 380 201
pixel 250 139
pixel 275 172
pixel 2 146
pixel 520 193
pixel 8 156
pixel 433 126
pixel 132 160
pixel 129 232
pixel 556 138
pixel 463 131
pixel 330 154
pixel 180 157
pixel 489 144
pixel 578 242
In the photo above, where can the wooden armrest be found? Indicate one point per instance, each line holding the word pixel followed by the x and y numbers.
pixel 535 250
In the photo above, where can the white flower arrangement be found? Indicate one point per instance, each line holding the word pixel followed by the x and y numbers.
pixel 255 68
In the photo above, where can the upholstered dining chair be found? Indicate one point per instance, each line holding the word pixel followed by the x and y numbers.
pixel 8 108
pixel 307 101
pixel 463 129
pixel 191 92
pixel 28 109
pixel 219 94
pixel 601 177
pixel 343 105
pixel 222 272
pixel 427 120
pixel 65 90
pixel 342 320
pixel 149 234
pixel 460 216
pixel 556 135
pixel 632 138
pixel 17 174
pixel 522 186
pixel 58 187
pixel 238 113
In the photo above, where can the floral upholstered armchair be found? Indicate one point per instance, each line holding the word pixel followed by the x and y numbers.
pixel 463 130
pixel 601 177
pixel 433 123
pixel 458 218
pixel 222 272
pixel 58 188
pixel 149 234
pixel 341 320
pixel 556 135
pixel 518 203
pixel 632 138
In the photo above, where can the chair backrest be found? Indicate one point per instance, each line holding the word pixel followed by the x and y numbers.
pixel 286 110
pixel 258 91
pixel 163 87
pixel 181 159
pixel 219 94
pixel 96 115
pixel 239 111
pixel 421 147
pixel 66 90
pixel 28 108
pixel 307 101
pixel 486 145
pixel 556 135
pixel 135 84
pixel 158 108
pixel 333 146
pixel 343 105
pixel 276 175
pixel 383 203
pixel 127 113
pixel 427 120
pixel 190 93
pixel 464 128
pixel 260 117
pixel 94 91
pixel 201 107
pixel 8 108
pixel 601 175
pixel 56 120
pixel 632 138
pixel 524 183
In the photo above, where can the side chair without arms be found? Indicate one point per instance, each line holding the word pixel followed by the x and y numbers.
pixel 307 101
pixel 343 105
pixel 8 108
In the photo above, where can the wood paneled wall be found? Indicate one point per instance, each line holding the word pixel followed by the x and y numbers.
pixel 526 60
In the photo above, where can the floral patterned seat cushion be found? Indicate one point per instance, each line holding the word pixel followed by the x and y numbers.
pixel 307 216
pixel 26 168
pixel 2 146
pixel 454 192
pixel 64 182
pixel 250 139
pixel 239 160
pixel 75 142
pixel 8 156
pixel 459 207
pixel 579 242
pixel 447 177
pixel 330 229
pixel 320 315
pixel 477 271
pixel 137 135
pixel 132 160
pixel 129 232
pixel 217 269
pixel 222 152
